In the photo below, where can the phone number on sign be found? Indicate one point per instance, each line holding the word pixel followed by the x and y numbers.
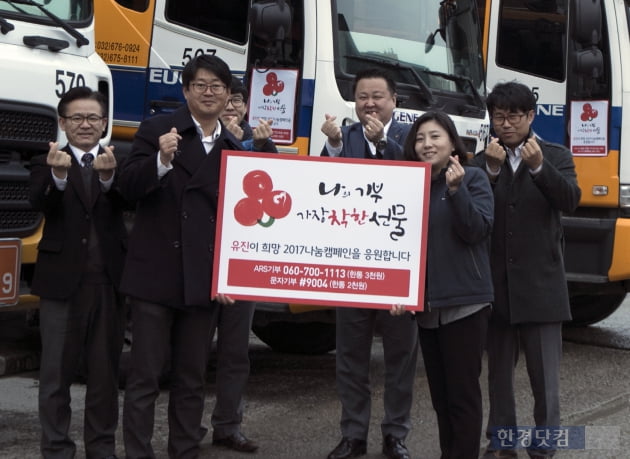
pixel 302 270
pixel 297 276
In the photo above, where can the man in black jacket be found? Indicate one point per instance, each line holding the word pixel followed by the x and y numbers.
pixel 79 264
pixel 533 182
pixel 173 175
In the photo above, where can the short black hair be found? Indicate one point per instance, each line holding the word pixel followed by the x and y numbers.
pixel 210 63
pixel 239 88
pixel 511 96
pixel 441 118
pixel 374 72
pixel 81 92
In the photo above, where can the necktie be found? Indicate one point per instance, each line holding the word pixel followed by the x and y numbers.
pixel 87 160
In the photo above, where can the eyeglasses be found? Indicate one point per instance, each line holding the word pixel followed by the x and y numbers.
pixel 236 101
pixel 513 118
pixel 216 89
pixel 77 120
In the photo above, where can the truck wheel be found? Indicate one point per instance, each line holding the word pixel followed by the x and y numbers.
pixel 589 309
pixel 310 338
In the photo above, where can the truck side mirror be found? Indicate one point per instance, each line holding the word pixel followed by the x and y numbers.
pixel 587 22
pixel 428 45
pixel 587 31
pixel 589 62
pixel 270 24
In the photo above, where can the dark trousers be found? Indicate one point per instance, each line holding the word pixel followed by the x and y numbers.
pixel 233 328
pixel 355 331
pixel 541 343
pixel 88 327
pixel 452 356
pixel 161 332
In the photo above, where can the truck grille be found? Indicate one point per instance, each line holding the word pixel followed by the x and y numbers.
pixel 17 219
pixel 18 223
pixel 25 130
pixel 26 127
pixel 13 191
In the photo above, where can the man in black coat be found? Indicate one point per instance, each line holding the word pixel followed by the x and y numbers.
pixel 172 174
pixel 533 182
pixel 79 264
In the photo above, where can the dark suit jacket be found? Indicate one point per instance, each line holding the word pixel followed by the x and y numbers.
pixel 63 249
pixel 527 240
pixel 171 245
pixel 354 143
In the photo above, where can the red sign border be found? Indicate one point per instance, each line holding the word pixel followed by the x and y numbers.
pixel 308 301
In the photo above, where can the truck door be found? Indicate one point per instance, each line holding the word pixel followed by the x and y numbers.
pixel 527 43
pixel 184 29
pixel 123 31
pixel 147 43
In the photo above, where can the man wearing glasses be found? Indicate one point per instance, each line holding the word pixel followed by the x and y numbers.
pixel 79 264
pixel 256 139
pixel 534 182
pixel 172 173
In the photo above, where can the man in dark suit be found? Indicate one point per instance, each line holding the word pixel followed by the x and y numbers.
pixel 534 182
pixel 79 264
pixel 173 175
pixel 378 136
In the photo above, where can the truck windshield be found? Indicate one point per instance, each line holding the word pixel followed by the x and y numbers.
pixel 435 41
pixel 27 10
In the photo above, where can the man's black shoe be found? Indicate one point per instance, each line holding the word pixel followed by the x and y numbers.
pixel 237 442
pixel 349 447
pixel 394 448
pixel 491 453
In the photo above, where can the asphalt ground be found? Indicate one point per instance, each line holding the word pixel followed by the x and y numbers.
pixel 292 409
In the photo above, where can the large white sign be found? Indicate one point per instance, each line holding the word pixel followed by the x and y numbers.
pixel 323 231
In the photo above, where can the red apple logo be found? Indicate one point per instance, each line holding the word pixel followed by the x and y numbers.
pixel 261 199
pixel 588 114
pixel 273 86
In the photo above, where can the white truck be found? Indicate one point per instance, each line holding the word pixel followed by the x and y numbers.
pixel 432 48
pixel 46 48
pixel 574 54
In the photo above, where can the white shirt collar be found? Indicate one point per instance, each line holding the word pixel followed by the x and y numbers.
pixel 514 155
pixel 78 153
pixel 208 140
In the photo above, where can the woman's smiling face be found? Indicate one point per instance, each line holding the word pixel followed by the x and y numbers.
pixel 433 145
